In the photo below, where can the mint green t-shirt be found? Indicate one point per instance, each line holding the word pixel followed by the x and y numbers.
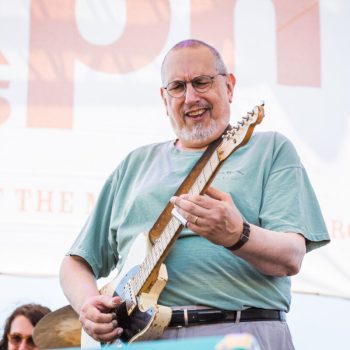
pixel 270 188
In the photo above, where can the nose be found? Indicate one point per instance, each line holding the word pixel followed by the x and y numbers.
pixel 191 95
pixel 23 345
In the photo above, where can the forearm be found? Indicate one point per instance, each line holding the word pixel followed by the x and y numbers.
pixel 77 281
pixel 273 253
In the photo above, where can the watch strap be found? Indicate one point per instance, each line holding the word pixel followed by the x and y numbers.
pixel 243 239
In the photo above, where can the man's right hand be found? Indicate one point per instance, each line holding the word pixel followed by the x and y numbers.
pixel 98 318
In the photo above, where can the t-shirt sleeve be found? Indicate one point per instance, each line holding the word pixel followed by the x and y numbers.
pixel 95 242
pixel 289 201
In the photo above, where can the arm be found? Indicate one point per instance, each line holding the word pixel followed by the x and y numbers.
pixel 95 311
pixel 272 253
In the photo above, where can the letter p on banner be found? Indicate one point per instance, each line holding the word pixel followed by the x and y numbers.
pixel 55 44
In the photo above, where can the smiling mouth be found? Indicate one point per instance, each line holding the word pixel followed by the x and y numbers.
pixel 196 113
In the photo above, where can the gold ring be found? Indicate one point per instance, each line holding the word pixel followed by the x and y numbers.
pixel 195 220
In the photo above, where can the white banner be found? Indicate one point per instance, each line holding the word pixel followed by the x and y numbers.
pixel 79 89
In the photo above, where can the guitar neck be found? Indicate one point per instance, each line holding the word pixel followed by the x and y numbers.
pixel 167 237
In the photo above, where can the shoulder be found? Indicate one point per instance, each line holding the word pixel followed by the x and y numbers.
pixel 273 142
pixel 139 156
pixel 270 137
pixel 271 149
pixel 148 149
pixel 144 153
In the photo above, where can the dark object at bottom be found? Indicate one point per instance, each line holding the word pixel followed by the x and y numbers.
pixel 207 316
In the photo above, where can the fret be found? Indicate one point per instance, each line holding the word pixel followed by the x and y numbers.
pixel 204 175
pixel 152 260
pixel 163 241
pixel 136 281
pixel 201 181
pixel 174 225
pixel 157 252
pixel 169 230
pixel 214 161
pixel 140 278
pixel 160 242
pixel 147 265
pixel 208 171
pixel 198 189
pixel 167 235
pixel 132 287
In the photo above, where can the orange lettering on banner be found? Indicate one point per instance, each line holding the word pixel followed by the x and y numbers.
pixel 298 42
pixel 338 230
pixel 90 202
pixel 66 205
pixel 3 59
pixel 55 45
pixel 44 203
pixel 5 109
pixel 212 21
pixel 24 196
pixel 297 36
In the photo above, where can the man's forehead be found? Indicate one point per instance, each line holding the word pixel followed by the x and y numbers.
pixel 188 60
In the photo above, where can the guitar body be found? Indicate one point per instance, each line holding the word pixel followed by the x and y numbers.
pixel 147 320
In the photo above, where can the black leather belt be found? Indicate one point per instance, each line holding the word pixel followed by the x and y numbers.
pixel 206 316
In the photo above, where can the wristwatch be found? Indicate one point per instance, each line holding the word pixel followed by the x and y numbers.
pixel 243 239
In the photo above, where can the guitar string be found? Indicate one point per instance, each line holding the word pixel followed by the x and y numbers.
pixel 169 231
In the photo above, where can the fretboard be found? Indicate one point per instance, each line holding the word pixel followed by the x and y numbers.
pixel 166 237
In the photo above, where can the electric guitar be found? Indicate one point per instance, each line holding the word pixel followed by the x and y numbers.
pixel 144 276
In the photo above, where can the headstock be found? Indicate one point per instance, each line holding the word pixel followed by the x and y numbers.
pixel 240 133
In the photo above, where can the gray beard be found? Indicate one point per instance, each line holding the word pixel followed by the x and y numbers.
pixel 198 132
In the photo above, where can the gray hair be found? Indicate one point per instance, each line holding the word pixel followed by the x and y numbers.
pixel 194 43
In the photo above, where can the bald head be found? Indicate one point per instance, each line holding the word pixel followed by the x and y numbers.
pixel 193 43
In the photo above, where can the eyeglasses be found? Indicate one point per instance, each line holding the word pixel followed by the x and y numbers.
pixel 17 338
pixel 202 83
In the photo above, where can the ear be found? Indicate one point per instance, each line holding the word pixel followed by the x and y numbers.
pixel 164 96
pixel 230 84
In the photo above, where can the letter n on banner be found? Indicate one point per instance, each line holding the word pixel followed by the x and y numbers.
pixel 55 44
pixel 212 21
pixel 298 42
pixel 297 36
pixel 5 108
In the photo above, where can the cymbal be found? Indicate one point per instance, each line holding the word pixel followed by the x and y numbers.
pixel 58 329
